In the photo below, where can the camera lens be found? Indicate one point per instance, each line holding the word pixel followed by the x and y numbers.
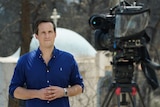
pixel 97 22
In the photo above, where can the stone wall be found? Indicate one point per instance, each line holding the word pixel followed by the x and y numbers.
pixel 6 71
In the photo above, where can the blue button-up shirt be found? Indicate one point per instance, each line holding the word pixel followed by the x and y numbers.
pixel 62 71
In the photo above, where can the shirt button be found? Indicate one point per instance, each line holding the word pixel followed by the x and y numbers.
pixel 47 70
pixel 48 81
pixel 47 101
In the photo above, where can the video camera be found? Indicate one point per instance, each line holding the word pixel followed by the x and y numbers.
pixel 123 31
pixel 123 26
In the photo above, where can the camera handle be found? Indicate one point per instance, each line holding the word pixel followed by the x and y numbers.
pixel 151 64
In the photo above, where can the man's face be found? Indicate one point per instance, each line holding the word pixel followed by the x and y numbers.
pixel 46 35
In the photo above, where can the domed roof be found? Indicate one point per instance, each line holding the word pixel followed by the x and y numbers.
pixel 66 40
pixel 70 41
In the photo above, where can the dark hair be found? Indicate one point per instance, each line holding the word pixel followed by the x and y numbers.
pixel 39 21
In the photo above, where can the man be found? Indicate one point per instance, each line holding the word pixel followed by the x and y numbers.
pixel 50 75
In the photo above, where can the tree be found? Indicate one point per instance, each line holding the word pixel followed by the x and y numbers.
pixel 26 27
pixel 9 27
pixel 26 38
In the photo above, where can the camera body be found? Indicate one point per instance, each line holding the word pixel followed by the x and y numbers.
pixel 118 28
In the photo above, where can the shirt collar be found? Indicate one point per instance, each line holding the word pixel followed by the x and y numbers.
pixel 54 53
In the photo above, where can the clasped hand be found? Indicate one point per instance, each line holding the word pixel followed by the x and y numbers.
pixel 51 93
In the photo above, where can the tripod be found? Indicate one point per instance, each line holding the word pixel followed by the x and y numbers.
pixel 122 89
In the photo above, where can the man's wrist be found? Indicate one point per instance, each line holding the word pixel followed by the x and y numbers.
pixel 65 92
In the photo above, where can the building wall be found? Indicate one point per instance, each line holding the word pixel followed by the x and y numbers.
pixel 6 71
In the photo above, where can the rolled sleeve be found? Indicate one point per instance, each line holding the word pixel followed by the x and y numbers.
pixel 76 77
pixel 18 79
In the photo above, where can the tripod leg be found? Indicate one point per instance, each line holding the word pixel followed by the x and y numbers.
pixel 133 99
pixel 140 96
pixel 108 98
pixel 118 101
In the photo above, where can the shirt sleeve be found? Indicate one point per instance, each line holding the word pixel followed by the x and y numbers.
pixel 18 78
pixel 76 77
